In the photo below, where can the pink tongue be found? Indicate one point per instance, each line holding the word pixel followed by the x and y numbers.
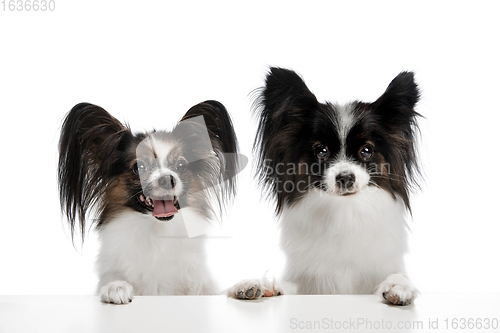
pixel 164 208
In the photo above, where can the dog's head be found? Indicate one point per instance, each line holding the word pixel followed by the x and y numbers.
pixel 105 167
pixel 306 145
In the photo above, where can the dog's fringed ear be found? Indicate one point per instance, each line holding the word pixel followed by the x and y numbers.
pixel 284 96
pixel 222 136
pixel 89 152
pixel 396 113
pixel 396 105
pixel 284 107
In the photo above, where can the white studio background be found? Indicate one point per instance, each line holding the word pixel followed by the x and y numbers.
pixel 147 62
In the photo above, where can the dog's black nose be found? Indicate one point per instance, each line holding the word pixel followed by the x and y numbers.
pixel 345 181
pixel 167 182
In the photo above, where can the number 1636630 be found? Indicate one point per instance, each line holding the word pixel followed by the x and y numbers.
pixel 28 5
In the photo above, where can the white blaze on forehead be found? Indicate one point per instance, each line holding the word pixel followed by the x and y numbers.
pixel 162 149
pixel 345 120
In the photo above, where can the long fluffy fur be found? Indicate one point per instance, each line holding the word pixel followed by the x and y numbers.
pixel 91 156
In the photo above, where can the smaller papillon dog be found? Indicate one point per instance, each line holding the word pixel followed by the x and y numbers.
pixel 341 177
pixel 140 189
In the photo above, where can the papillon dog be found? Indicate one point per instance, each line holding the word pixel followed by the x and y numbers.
pixel 140 189
pixel 341 177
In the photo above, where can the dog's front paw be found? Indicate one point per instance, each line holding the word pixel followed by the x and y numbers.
pixel 117 292
pixel 398 290
pixel 247 289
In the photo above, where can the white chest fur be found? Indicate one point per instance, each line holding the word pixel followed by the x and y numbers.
pixel 343 245
pixel 156 258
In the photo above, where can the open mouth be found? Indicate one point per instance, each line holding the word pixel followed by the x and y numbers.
pixel 163 208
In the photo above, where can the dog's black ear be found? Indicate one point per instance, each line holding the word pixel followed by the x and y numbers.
pixel 219 124
pixel 286 109
pixel 285 96
pixel 91 150
pixel 222 137
pixel 396 106
pixel 396 113
pixel 283 105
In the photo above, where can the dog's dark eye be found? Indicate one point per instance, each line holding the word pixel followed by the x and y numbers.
pixel 140 167
pixel 321 152
pixel 366 152
pixel 181 165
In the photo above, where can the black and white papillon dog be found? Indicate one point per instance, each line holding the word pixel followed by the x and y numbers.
pixel 141 189
pixel 341 177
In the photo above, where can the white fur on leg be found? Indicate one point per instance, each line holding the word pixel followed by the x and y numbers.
pixel 288 288
pixel 397 289
pixel 117 292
